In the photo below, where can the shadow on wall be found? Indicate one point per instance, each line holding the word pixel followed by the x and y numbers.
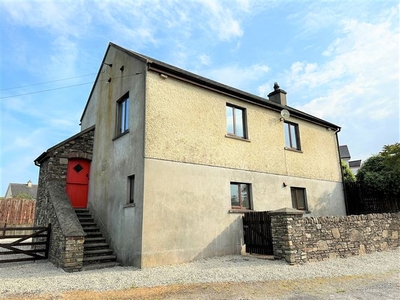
pixel 228 242
pixel 327 205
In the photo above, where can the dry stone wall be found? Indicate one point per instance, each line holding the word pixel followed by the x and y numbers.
pixel 299 240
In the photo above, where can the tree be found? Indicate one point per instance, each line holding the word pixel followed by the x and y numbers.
pixel 23 196
pixel 381 172
pixel 347 173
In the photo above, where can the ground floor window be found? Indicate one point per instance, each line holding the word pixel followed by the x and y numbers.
pixel 131 189
pixel 240 195
pixel 299 199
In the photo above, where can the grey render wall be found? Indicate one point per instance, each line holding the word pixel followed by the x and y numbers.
pixel 53 205
pixel 116 158
pixel 299 240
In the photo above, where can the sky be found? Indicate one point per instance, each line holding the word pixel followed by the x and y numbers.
pixel 337 60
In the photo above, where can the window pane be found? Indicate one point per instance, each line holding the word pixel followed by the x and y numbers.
pixel 301 201
pixel 245 195
pixel 234 194
pixel 131 188
pixel 299 198
pixel 239 122
pixel 287 136
pixel 229 120
pixel 126 114
pixel 293 136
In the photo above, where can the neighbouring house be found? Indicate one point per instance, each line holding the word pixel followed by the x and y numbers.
pixel 344 153
pixel 169 161
pixel 24 189
pixel 354 165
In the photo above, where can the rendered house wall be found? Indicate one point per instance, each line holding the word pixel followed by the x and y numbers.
pixel 183 163
pixel 189 164
pixel 116 158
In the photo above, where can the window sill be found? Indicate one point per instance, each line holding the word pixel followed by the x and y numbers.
pixel 129 205
pixel 235 137
pixel 239 211
pixel 122 134
pixel 293 149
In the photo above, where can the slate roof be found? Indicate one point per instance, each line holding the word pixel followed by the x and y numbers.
pixel 355 163
pixel 344 152
pixel 21 188
pixel 169 70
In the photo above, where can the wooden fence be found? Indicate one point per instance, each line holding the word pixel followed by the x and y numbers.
pixel 361 200
pixel 15 211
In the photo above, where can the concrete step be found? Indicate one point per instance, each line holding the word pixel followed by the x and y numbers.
pixel 98 239
pixel 91 228
pixel 95 245
pixel 98 258
pixel 98 266
pixel 88 253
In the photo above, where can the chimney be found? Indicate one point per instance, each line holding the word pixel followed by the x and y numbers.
pixel 278 95
pixel 29 184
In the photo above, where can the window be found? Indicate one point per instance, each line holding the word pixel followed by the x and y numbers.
pixel 292 138
pixel 131 189
pixel 299 200
pixel 236 121
pixel 240 195
pixel 122 115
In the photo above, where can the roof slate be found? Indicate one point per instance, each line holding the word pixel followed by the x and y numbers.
pixel 23 188
pixel 344 152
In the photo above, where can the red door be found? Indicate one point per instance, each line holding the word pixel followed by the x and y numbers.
pixel 78 181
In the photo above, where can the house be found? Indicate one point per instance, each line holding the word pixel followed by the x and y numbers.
pixel 354 165
pixel 344 153
pixel 21 189
pixel 172 160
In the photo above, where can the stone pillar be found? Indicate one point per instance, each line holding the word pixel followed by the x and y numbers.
pixel 283 234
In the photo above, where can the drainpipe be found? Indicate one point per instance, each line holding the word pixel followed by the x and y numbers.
pixel 341 172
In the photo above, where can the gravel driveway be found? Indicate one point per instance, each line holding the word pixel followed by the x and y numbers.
pixel 376 274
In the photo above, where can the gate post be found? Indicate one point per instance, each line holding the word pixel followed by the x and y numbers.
pixel 282 221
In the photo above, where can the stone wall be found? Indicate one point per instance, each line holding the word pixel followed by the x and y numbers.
pixel 299 240
pixel 53 205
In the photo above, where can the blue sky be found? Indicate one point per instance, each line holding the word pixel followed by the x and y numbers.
pixel 337 60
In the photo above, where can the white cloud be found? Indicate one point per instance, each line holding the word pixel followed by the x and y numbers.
pixel 205 59
pixel 356 68
pixel 221 20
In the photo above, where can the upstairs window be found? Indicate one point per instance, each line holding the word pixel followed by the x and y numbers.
pixel 292 138
pixel 236 121
pixel 240 195
pixel 299 199
pixel 122 125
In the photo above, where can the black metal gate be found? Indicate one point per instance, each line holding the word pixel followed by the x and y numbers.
pixel 24 247
pixel 257 232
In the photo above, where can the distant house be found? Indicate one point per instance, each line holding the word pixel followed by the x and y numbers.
pixel 345 153
pixel 168 162
pixel 355 165
pixel 17 189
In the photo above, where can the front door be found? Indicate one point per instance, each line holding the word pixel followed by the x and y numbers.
pixel 78 181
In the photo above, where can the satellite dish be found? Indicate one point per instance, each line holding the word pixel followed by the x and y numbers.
pixel 285 114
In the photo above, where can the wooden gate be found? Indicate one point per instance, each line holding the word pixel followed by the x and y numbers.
pixel 16 247
pixel 257 232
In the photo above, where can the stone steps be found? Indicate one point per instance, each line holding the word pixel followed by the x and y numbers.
pixel 97 253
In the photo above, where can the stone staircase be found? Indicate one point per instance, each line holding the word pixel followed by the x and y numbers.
pixel 97 253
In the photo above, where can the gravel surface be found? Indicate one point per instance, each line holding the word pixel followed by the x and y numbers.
pixel 42 277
